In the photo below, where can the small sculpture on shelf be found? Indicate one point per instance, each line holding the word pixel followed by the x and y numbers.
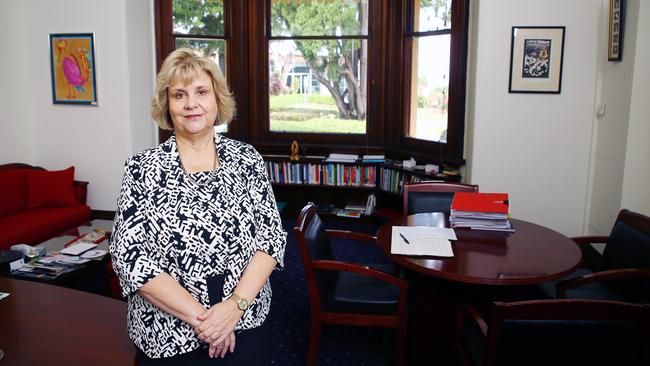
pixel 294 151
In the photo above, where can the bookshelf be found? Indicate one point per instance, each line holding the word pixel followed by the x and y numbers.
pixel 342 183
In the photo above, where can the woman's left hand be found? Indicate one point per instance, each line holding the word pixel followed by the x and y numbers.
pixel 218 322
pixel 220 349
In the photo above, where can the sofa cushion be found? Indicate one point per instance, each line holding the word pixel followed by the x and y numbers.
pixel 57 219
pixel 50 188
pixel 13 191
pixel 35 226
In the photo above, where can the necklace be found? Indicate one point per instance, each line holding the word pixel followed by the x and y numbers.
pixel 211 173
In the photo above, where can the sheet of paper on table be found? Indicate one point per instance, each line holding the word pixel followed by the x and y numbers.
pixel 3 295
pixel 422 240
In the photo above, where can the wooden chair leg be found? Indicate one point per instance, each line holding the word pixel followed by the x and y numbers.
pixel 314 339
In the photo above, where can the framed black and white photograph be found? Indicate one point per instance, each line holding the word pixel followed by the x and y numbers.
pixel 615 36
pixel 536 59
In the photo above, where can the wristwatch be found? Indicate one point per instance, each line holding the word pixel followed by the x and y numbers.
pixel 242 303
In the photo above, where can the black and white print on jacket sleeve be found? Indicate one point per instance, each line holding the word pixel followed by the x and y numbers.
pixel 166 223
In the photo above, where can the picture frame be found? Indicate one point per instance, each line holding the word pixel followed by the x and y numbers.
pixel 72 66
pixel 536 56
pixel 615 35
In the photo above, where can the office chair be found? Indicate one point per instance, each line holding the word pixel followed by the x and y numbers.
pixel 432 196
pixel 555 332
pixel 343 292
pixel 622 273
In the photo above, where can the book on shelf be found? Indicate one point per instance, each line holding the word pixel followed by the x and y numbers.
pixel 374 158
pixel 349 213
pixel 354 207
pixel 371 202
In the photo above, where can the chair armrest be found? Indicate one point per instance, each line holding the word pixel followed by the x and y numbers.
pixel 345 234
pixel 466 311
pixel 614 274
pixel 80 191
pixel 362 270
pixel 584 240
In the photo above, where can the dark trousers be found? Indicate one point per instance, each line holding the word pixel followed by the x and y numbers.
pixel 251 348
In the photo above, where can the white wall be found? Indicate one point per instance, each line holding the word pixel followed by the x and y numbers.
pixel 534 146
pixel 636 179
pixel 15 139
pixel 96 140
pixel 611 130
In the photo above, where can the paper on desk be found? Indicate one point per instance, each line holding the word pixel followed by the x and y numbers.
pixel 3 295
pixel 78 248
pixel 422 241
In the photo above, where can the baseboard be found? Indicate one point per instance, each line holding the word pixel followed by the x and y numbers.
pixel 102 215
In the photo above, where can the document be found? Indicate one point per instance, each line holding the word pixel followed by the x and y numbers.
pixel 79 248
pixel 422 240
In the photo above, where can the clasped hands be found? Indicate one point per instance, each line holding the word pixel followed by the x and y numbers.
pixel 216 326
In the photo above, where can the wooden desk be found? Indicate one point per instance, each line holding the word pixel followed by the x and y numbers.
pixel 483 261
pixel 45 325
pixel 532 254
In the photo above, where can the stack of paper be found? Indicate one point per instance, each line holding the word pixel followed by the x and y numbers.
pixel 342 158
pixel 420 240
pixel 481 211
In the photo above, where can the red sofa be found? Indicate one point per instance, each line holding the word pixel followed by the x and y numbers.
pixel 36 204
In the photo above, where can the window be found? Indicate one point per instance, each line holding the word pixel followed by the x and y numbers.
pixel 318 79
pixel 435 39
pixel 360 76
pixel 431 48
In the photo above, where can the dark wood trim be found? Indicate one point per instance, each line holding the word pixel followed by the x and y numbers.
pixel 199 36
pixel 247 31
pixel 450 153
pixel 164 30
pixel 316 38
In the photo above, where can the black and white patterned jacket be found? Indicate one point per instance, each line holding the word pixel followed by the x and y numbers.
pixel 166 223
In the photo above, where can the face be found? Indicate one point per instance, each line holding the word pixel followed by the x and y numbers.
pixel 193 107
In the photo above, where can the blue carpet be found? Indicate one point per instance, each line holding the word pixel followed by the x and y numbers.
pixel 289 315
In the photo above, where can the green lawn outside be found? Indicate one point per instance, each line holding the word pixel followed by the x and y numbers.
pixel 310 114
pixel 278 102
pixel 321 125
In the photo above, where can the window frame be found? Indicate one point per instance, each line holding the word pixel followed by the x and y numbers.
pixel 316 142
pixel 400 143
pixel 247 32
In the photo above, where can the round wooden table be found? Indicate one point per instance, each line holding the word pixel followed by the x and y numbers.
pixel 44 324
pixel 486 264
pixel 532 254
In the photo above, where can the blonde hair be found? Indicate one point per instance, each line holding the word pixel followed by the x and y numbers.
pixel 186 65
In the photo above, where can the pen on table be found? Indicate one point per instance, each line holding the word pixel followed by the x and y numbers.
pixel 407 242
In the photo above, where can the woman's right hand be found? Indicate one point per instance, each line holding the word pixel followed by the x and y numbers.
pixel 220 349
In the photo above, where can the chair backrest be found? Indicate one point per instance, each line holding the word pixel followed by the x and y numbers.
pixel 432 196
pixel 628 245
pixel 584 332
pixel 314 245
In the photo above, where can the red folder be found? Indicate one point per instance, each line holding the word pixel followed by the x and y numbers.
pixel 480 202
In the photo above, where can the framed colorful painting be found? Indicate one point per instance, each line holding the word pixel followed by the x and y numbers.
pixel 536 59
pixel 72 62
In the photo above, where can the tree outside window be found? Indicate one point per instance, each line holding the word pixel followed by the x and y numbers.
pixel 318 55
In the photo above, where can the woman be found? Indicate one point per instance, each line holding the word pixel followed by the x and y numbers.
pixel 197 231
